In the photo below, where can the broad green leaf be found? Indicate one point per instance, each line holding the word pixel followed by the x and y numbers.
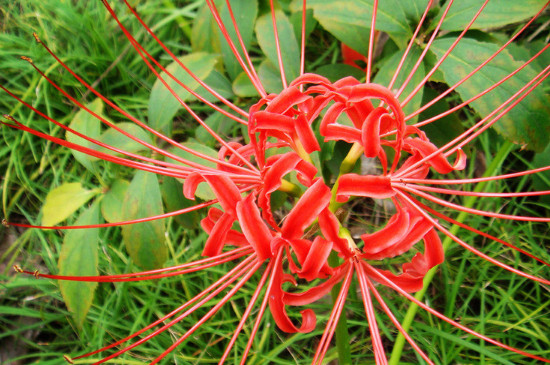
pixel 296 20
pixel 205 35
pixel 203 191
pixel 270 77
pixel 63 201
pixel 387 70
pixel 111 204
pixel 90 126
pixel 527 123
pixel 116 139
pixel 243 87
pixel 218 82
pixel 145 242
pixel 350 20
pixel 414 9
pixel 79 257
pixel 288 44
pixel 162 103
pixel 244 12
pixel 496 14
pixel 172 194
pixel 219 123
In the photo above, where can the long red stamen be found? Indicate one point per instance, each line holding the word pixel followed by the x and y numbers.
pixel 253 78
pixel 396 323
pixel 222 284
pixel 144 55
pixel 151 274
pixel 484 92
pixel 428 45
pixel 477 231
pixel 371 40
pixel 383 279
pixel 452 88
pixel 334 317
pixel 186 69
pixel 470 248
pixel 278 45
pixel 135 120
pixel 378 347
pixel 210 313
pixel 445 55
pixel 409 46
pixel 247 312
pixel 484 123
pixel 133 221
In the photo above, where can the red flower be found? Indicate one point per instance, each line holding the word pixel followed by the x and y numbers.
pixel 286 131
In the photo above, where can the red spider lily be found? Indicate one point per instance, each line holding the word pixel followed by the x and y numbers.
pixel 246 175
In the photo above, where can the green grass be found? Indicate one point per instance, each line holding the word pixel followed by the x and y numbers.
pixel 33 317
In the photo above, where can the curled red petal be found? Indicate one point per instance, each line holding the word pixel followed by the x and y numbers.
pixel 315 265
pixel 286 99
pixel 306 210
pixel 255 230
pixel 277 307
pixel 372 186
pixel 217 238
pixel 370 132
pixel 317 292
pixel 397 227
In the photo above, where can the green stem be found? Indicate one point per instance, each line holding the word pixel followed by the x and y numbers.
pixel 468 202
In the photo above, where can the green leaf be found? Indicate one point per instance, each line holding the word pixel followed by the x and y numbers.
pixel 270 77
pixel 350 20
pixel 387 70
pixel 218 82
pixel 296 20
pixel 172 194
pixel 497 13
pixel 527 123
pixel 116 139
pixel 79 257
pixel 90 126
pixel 288 44
pixel 205 33
pixel 163 106
pixel 112 201
pixel 243 87
pixel 219 123
pixel 145 242
pixel 63 201
pixel 245 12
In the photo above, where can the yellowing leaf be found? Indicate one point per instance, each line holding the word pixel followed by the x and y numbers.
pixel 78 257
pixel 63 201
